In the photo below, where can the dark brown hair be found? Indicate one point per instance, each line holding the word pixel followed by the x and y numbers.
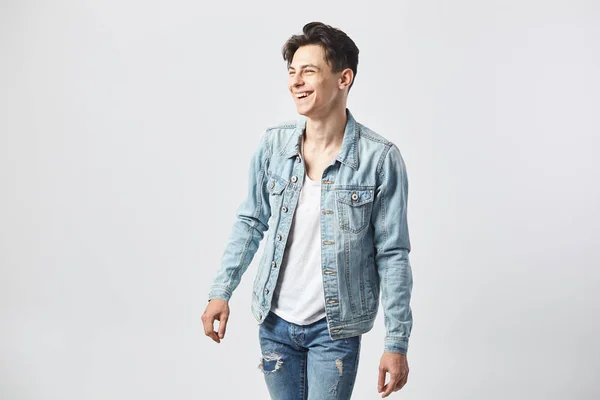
pixel 340 51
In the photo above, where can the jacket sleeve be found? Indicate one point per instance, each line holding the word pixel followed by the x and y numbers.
pixel 251 222
pixel 392 246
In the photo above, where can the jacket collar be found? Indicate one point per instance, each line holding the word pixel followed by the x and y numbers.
pixel 348 154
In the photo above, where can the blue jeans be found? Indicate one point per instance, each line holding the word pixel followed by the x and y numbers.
pixel 301 362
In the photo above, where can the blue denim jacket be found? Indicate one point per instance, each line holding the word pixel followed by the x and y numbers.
pixel 364 231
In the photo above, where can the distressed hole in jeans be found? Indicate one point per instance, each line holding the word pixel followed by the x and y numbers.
pixel 340 366
pixel 270 362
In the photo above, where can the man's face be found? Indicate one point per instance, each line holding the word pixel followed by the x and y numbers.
pixel 310 76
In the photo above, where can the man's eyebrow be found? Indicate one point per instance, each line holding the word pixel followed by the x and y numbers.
pixel 304 66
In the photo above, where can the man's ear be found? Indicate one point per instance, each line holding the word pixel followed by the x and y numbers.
pixel 346 78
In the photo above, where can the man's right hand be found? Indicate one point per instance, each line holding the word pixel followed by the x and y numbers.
pixel 217 309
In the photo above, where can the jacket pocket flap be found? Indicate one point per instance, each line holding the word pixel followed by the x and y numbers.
pixel 276 185
pixel 354 197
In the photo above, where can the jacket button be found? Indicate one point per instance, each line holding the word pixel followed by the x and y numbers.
pixel 294 178
pixel 284 209
pixel 273 264
pixel 354 196
pixel 267 290
pixel 297 159
pixel 278 236
pixel 272 184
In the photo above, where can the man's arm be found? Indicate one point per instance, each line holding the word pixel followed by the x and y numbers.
pixel 251 222
pixel 392 245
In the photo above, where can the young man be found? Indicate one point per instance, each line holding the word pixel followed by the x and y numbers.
pixel 333 195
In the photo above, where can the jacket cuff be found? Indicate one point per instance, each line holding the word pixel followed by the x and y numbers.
pixel 219 292
pixel 396 345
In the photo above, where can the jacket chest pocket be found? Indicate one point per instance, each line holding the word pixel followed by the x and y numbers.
pixel 276 187
pixel 354 208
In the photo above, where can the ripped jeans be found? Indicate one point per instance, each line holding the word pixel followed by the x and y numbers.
pixel 301 362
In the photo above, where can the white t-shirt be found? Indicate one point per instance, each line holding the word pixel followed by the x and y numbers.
pixel 299 296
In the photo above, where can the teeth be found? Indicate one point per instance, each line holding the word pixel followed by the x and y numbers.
pixel 301 95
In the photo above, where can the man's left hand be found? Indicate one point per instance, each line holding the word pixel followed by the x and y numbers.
pixel 396 365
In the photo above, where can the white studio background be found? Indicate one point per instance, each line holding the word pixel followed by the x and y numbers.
pixel 126 131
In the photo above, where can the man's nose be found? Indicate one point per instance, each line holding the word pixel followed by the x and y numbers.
pixel 297 80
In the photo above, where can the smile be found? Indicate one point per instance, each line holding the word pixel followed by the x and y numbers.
pixel 302 95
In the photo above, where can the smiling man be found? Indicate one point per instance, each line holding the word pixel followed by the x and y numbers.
pixel 332 195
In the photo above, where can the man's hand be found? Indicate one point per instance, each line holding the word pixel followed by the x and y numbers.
pixel 216 309
pixel 396 365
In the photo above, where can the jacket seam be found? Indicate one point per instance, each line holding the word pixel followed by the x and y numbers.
pixel 365 134
pixel 237 271
pixel 383 186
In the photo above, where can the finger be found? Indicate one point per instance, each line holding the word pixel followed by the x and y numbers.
pixel 222 326
pixel 389 388
pixel 401 383
pixel 213 336
pixel 381 380
pixel 208 324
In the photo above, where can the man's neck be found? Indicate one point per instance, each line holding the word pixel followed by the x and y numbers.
pixel 326 134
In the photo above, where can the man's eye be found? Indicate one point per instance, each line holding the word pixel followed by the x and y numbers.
pixel 309 70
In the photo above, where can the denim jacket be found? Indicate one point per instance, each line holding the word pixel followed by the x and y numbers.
pixel 364 231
